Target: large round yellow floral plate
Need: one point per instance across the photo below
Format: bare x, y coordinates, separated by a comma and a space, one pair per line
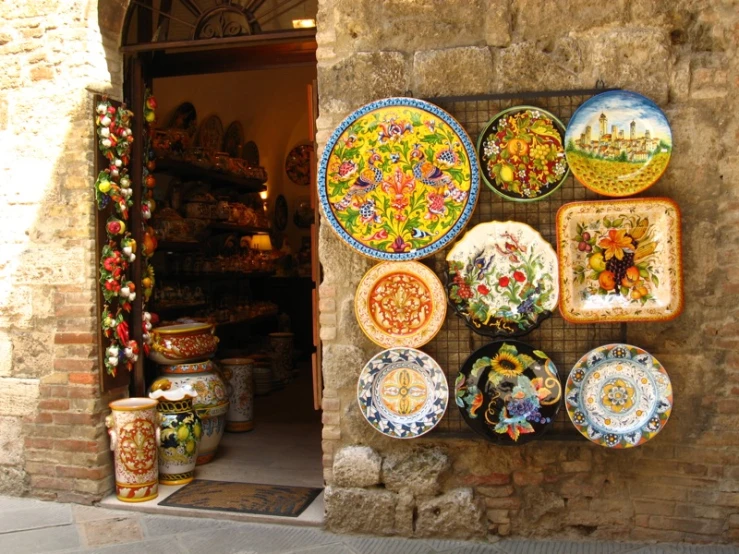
618, 396
620, 260
402, 393
618, 143
398, 179
400, 304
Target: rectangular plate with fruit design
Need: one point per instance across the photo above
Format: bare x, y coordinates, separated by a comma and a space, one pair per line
620, 260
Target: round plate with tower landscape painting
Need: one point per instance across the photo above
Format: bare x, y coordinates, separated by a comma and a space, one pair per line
502, 278
618, 396
398, 179
522, 153
618, 143
508, 392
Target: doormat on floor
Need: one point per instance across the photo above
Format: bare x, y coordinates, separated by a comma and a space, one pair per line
248, 498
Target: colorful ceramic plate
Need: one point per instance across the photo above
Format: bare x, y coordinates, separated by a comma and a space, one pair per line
184, 117
618, 396
522, 153
400, 304
620, 260
402, 393
398, 179
508, 392
501, 278
210, 136
618, 143
233, 140
297, 164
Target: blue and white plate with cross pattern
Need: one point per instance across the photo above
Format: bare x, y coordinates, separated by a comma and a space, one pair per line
402, 392
618, 396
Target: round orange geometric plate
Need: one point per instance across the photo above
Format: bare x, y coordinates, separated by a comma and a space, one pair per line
400, 304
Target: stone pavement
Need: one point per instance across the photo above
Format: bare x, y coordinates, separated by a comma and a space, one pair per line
31, 526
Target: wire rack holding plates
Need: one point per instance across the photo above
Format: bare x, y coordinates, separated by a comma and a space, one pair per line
564, 342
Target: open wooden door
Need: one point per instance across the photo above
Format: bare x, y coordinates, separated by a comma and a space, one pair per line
315, 264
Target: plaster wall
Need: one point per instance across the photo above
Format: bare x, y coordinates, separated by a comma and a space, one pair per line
684, 485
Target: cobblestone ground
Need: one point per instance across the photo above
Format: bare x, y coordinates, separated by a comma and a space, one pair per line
31, 526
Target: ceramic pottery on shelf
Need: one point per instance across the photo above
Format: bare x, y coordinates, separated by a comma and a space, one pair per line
618, 396
620, 260
134, 435
211, 403
618, 143
180, 434
297, 164
239, 373
183, 343
282, 358
398, 179
522, 153
400, 304
402, 393
508, 392
502, 278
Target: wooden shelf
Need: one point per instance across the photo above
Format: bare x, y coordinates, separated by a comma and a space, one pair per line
214, 276
238, 228
250, 320
189, 171
172, 307
175, 246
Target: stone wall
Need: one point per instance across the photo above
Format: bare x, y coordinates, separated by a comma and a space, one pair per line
52, 439
685, 484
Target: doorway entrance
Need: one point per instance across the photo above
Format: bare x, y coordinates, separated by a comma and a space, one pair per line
234, 84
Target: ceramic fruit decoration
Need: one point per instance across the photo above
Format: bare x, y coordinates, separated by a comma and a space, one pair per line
508, 392
618, 396
148, 205
134, 436
620, 260
522, 153
618, 143
402, 393
502, 278
180, 434
398, 179
400, 304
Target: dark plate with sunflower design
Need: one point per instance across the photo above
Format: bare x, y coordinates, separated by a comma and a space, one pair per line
508, 392
522, 153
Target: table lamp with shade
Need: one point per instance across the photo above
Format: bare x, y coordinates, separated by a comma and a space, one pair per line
261, 242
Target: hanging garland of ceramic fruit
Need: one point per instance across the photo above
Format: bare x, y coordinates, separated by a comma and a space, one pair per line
148, 205
113, 185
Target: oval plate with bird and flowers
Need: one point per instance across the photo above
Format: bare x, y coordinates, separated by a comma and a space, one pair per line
501, 278
618, 396
398, 179
402, 392
522, 153
620, 260
508, 392
400, 304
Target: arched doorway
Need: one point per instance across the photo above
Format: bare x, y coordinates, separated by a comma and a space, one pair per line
235, 77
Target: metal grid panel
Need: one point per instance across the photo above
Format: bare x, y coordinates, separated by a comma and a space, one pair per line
564, 342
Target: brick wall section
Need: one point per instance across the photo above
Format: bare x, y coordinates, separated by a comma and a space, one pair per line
685, 484
54, 58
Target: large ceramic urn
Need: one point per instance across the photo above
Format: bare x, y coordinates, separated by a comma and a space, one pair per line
180, 433
281, 345
183, 343
211, 403
239, 373
134, 435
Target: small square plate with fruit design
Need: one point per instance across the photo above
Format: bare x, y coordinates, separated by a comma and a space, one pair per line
620, 260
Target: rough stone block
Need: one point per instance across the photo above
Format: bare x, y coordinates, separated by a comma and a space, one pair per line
537, 20
456, 514
405, 514
13, 481
453, 71
357, 466
407, 25
11, 441
497, 29
370, 511
526, 66
361, 78
6, 354
417, 471
32, 354
18, 397
342, 365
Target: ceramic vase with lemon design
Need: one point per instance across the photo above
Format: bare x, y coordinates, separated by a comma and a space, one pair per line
180, 434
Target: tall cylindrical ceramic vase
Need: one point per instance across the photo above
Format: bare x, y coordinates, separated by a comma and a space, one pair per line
180, 433
282, 347
134, 435
211, 403
239, 372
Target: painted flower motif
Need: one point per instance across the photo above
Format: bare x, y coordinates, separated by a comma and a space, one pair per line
579, 418
618, 395
519, 276
346, 170
399, 245
482, 289
400, 184
615, 243
619, 352
504, 281
507, 364
654, 424
612, 440
578, 375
